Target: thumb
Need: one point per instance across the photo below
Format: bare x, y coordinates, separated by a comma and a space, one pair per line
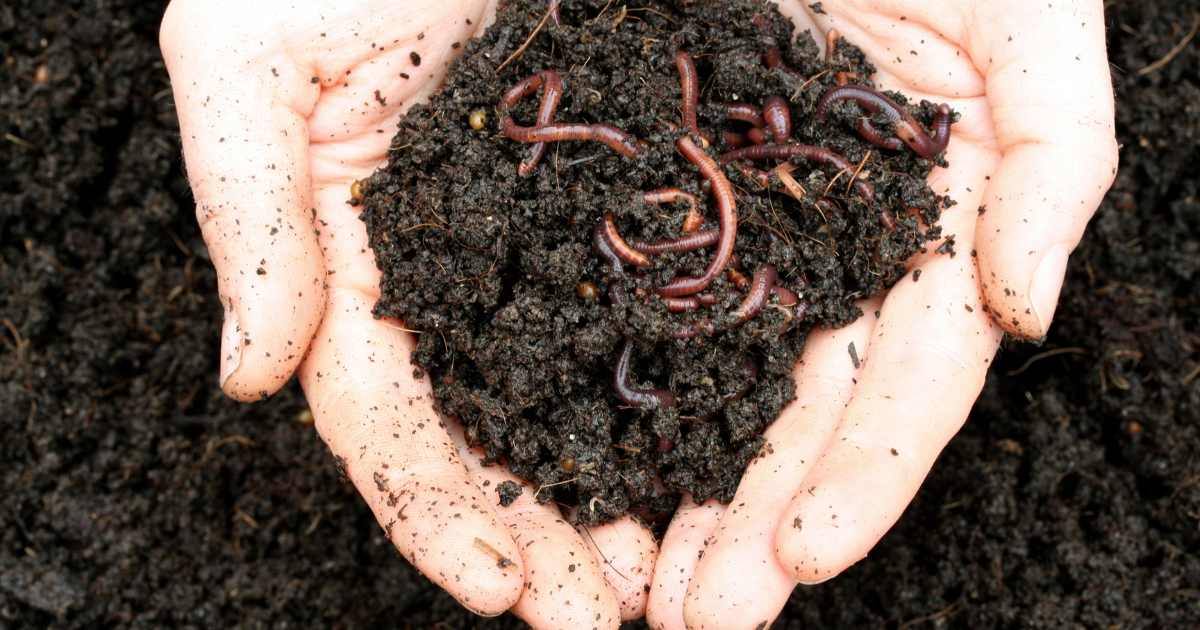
242, 116
1052, 105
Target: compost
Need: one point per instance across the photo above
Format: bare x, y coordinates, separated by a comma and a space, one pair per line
612, 283
133, 494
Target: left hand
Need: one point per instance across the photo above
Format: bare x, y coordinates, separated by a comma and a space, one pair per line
1036, 146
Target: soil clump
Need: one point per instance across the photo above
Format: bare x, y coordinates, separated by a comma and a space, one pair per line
498, 268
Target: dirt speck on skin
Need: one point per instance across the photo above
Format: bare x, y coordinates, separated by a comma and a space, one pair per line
498, 270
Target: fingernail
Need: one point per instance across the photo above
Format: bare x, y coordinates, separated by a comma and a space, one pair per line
481, 614
1047, 283
231, 344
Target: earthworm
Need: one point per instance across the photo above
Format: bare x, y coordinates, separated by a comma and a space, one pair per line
756, 297
830, 43
746, 112
762, 177
728, 397
867, 130
604, 248
751, 305
774, 59
727, 220
756, 136
680, 304
620, 141
555, 14
690, 81
778, 117
908, 129
735, 276
620, 248
668, 195
691, 242
812, 154
550, 98
786, 296
637, 397
735, 140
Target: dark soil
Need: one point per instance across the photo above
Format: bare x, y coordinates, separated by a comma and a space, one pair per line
133, 494
489, 264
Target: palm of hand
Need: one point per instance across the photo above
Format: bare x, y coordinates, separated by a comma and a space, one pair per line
265, 98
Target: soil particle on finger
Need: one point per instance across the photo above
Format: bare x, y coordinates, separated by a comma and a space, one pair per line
498, 271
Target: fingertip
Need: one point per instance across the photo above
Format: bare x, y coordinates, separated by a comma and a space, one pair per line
626, 551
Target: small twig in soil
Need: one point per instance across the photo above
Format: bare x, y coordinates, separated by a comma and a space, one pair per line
857, 171
937, 615
519, 51
1174, 51
501, 560
1050, 353
551, 485
16, 335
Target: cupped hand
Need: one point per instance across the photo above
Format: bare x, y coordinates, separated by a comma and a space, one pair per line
1030, 160
282, 106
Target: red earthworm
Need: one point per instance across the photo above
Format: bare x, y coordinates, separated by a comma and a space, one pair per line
709, 137
680, 304
751, 305
669, 195
691, 242
690, 81
812, 154
555, 14
907, 128
727, 220
786, 296
735, 140
747, 112
637, 397
665, 445
757, 136
735, 276
867, 130
778, 117
756, 297
604, 247
620, 141
774, 59
830, 43
728, 397
620, 248
550, 98
758, 175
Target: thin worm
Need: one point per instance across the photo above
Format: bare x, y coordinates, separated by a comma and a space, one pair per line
786, 296
778, 117
774, 59
707, 136
831, 43
637, 397
670, 195
735, 140
746, 112
555, 14
751, 305
756, 297
728, 397
604, 248
690, 81
550, 98
737, 278
907, 127
756, 136
812, 154
691, 242
727, 221
620, 248
760, 176
681, 304
620, 141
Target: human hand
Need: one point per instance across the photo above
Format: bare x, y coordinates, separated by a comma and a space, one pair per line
281, 109
1036, 147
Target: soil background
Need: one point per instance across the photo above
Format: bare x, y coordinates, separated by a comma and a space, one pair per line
134, 494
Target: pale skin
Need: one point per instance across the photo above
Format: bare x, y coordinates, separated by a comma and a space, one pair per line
271, 156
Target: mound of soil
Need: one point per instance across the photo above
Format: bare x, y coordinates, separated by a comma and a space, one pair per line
133, 494
499, 272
